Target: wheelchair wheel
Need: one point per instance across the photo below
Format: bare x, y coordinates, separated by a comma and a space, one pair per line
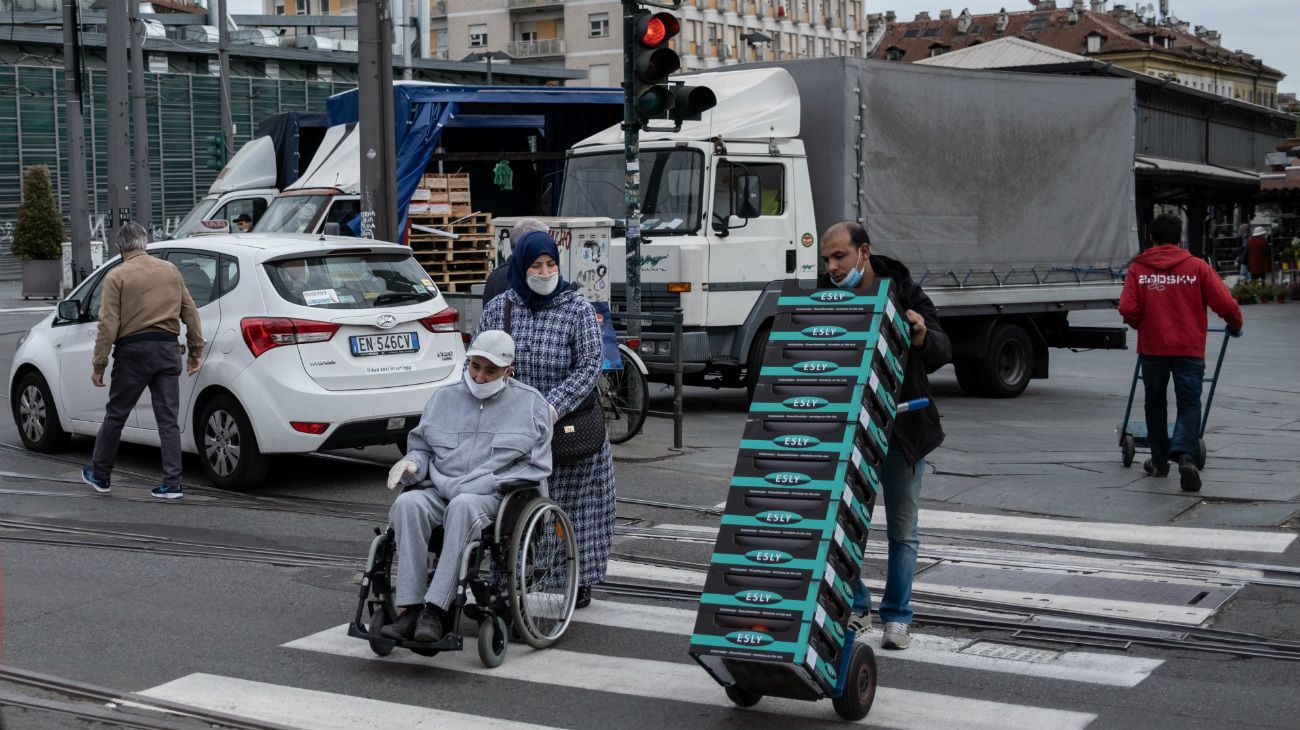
384, 614
493, 638
543, 573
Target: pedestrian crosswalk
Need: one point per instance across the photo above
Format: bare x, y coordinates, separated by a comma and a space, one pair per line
621, 671
625, 653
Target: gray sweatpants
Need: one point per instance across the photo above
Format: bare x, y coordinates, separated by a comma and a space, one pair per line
413, 516
155, 365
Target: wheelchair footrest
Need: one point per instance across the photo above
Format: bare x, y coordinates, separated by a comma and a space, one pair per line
449, 642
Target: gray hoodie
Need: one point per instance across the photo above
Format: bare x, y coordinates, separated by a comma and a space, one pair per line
464, 445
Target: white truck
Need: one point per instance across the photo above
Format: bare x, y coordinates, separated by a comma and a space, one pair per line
284, 145
1009, 196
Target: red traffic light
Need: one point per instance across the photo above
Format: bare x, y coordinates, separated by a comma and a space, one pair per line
654, 30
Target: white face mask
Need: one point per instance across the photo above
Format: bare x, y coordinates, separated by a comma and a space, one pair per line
483, 391
544, 285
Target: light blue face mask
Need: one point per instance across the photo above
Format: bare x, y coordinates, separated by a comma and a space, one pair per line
854, 277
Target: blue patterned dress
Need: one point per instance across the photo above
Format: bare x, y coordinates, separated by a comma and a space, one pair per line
558, 352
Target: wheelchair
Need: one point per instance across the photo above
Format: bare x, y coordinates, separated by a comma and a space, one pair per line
529, 595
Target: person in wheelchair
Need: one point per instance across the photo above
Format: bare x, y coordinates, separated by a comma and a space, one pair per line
473, 438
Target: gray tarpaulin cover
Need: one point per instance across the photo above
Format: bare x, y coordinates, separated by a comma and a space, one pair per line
973, 170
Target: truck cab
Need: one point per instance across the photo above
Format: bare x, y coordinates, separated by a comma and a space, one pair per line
726, 216
245, 186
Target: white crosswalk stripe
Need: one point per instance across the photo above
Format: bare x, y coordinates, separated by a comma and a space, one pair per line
684, 682
1094, 668
312, 709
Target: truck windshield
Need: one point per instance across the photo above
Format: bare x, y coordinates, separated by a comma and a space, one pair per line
671, 185
291, 214
200, 211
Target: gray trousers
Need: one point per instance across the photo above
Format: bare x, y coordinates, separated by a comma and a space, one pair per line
155, 365
413, 517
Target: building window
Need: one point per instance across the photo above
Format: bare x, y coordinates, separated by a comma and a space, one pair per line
302, 8
478, 35
937, 51
599, 25
598, 74
894, 54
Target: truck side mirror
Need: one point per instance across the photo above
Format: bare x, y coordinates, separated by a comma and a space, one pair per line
331, 229
69, 310
748, 196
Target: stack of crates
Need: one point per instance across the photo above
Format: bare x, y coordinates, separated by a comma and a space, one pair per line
776, 603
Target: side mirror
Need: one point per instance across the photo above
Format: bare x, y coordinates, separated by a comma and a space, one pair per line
69, 310
331, 229
748, 196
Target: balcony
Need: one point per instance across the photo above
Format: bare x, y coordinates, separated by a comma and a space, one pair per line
533, 4
536, 49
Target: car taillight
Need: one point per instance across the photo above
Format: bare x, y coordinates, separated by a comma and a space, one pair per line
263, 333
444, 321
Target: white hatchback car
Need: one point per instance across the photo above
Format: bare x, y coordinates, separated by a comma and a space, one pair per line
313, 343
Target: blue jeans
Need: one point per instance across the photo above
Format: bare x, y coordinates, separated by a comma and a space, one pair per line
902, 486
1187, 373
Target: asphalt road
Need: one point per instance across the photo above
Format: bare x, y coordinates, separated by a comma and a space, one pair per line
1027, 515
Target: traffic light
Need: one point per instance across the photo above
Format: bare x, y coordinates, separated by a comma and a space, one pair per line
689, 102
652, 63
216, 151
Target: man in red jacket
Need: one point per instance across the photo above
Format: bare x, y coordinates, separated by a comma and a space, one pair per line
1165, 295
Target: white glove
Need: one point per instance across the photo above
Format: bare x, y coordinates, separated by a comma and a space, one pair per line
555, 415
399, 470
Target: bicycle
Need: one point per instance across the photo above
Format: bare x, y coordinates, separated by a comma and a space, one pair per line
624, 396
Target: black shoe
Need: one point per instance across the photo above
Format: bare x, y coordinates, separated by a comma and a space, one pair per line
1155, 471
1189, 478
584, 597
404, 626
429, 627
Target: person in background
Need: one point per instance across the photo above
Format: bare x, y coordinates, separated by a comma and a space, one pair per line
1259, 254
1166, 291
243, 223
846, 255
559, 354
145, 301
499, 280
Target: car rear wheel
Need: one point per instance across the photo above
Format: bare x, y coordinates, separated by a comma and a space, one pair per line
227, 447
36, 416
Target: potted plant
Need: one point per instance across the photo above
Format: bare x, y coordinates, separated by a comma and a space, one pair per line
1245, 292
38, 236
1280, 294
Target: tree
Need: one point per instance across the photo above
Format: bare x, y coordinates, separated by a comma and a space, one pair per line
38, 234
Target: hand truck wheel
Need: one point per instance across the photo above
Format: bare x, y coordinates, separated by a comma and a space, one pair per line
859, 685
1128, 447
1200, 455
743, 697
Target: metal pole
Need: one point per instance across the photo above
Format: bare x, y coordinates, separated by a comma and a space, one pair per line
223, 61
378, 150
402, 32
140, 124
78, 211
119, 152
631, 177
423, 16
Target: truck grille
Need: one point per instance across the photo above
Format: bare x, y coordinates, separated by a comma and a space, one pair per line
654, 298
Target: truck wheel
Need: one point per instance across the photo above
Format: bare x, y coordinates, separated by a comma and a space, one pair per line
968, 376
1005, 370
755, 362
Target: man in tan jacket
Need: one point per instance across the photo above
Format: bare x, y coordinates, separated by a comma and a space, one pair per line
144, 303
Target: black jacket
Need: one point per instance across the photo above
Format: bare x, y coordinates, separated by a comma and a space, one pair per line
917, 433
497, 282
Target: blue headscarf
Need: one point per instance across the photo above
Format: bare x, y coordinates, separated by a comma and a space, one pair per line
528, 249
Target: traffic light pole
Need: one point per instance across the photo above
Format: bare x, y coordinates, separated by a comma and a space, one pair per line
140, 124
631, 174
378, 148
119, 152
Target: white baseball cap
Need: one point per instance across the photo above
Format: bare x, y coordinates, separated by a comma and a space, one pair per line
495, 345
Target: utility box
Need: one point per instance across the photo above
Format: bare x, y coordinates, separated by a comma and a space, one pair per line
584, 250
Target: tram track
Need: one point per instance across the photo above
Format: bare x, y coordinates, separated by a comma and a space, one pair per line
110, 705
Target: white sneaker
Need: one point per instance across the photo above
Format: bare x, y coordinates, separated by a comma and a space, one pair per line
896, 636
860, 624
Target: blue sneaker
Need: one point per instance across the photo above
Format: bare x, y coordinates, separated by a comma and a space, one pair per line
88, 476
167, 491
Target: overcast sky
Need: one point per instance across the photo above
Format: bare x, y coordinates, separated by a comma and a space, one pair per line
1265, 28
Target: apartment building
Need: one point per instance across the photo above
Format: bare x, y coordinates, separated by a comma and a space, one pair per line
588, 36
